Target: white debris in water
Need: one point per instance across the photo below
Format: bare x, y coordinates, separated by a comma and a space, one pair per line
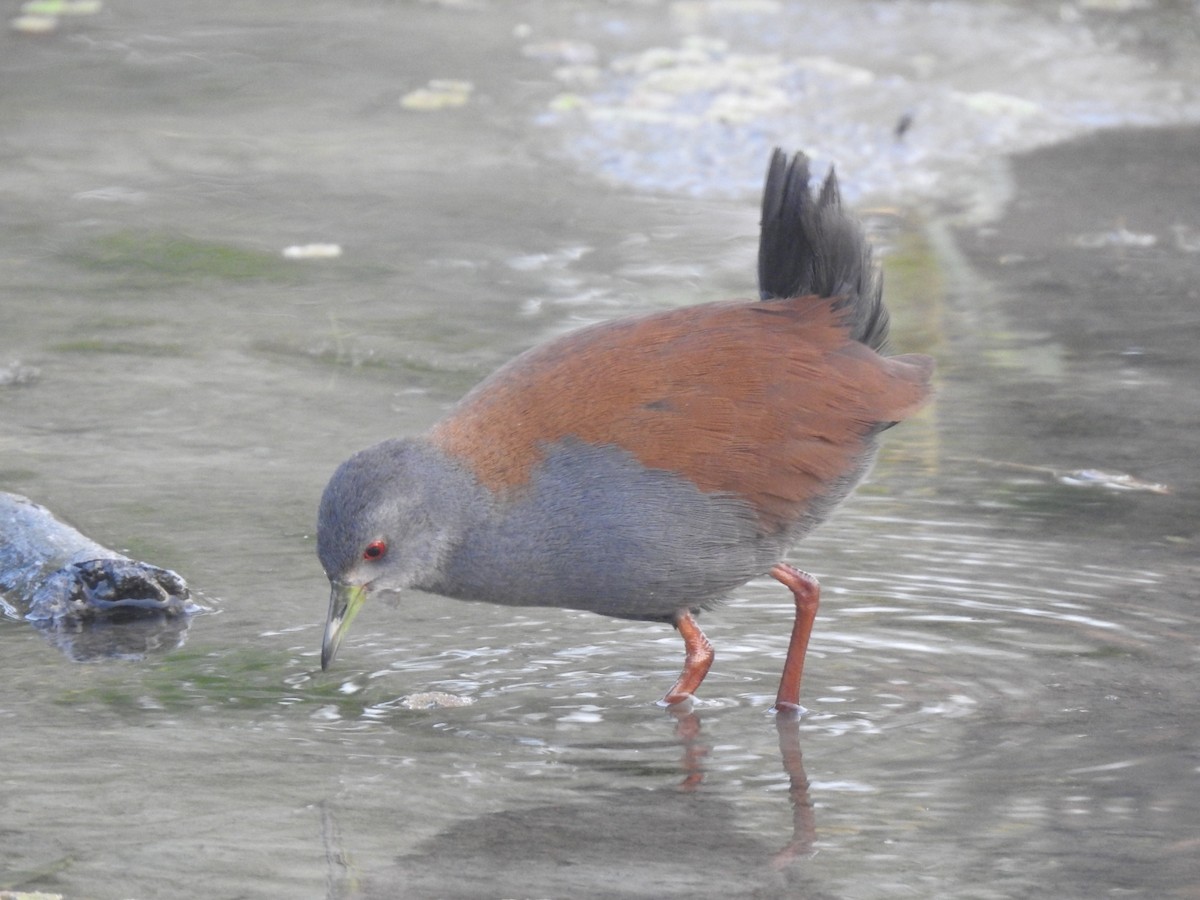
1115, 481
15, 373
435, 700
312, 251
113, 194
33, 24
1118, 237
439, 93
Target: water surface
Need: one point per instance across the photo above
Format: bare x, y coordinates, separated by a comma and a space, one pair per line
1001, 681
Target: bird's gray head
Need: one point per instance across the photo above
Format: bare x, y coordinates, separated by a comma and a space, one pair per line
388, 520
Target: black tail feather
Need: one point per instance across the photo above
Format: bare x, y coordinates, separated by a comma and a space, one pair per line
811, 246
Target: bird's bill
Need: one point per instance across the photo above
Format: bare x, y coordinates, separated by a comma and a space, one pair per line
345, 600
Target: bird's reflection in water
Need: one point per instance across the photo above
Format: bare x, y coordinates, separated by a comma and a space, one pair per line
689, 732
673, 841
695, 749
804, 820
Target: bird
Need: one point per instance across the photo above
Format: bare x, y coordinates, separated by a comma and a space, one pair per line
644, 467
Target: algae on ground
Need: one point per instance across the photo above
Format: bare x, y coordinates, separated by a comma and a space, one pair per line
196, 679
179, 256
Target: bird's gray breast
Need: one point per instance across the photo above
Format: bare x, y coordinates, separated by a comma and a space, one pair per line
594, 529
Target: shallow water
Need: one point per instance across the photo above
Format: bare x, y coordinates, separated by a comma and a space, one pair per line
1001, 683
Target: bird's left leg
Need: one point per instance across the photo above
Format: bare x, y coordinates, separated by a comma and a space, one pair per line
807, 592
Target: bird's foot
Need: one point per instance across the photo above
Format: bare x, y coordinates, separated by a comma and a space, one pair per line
786, 710
678, 702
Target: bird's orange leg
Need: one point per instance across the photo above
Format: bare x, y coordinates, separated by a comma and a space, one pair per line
697, 661
807, 592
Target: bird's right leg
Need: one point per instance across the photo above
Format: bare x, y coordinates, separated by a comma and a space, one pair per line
697, 661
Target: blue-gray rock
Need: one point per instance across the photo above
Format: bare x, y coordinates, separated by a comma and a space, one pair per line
50, 572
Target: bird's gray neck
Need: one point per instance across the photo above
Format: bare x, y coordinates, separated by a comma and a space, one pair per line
452, 506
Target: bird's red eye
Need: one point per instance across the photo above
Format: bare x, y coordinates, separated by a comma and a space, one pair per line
375, 550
